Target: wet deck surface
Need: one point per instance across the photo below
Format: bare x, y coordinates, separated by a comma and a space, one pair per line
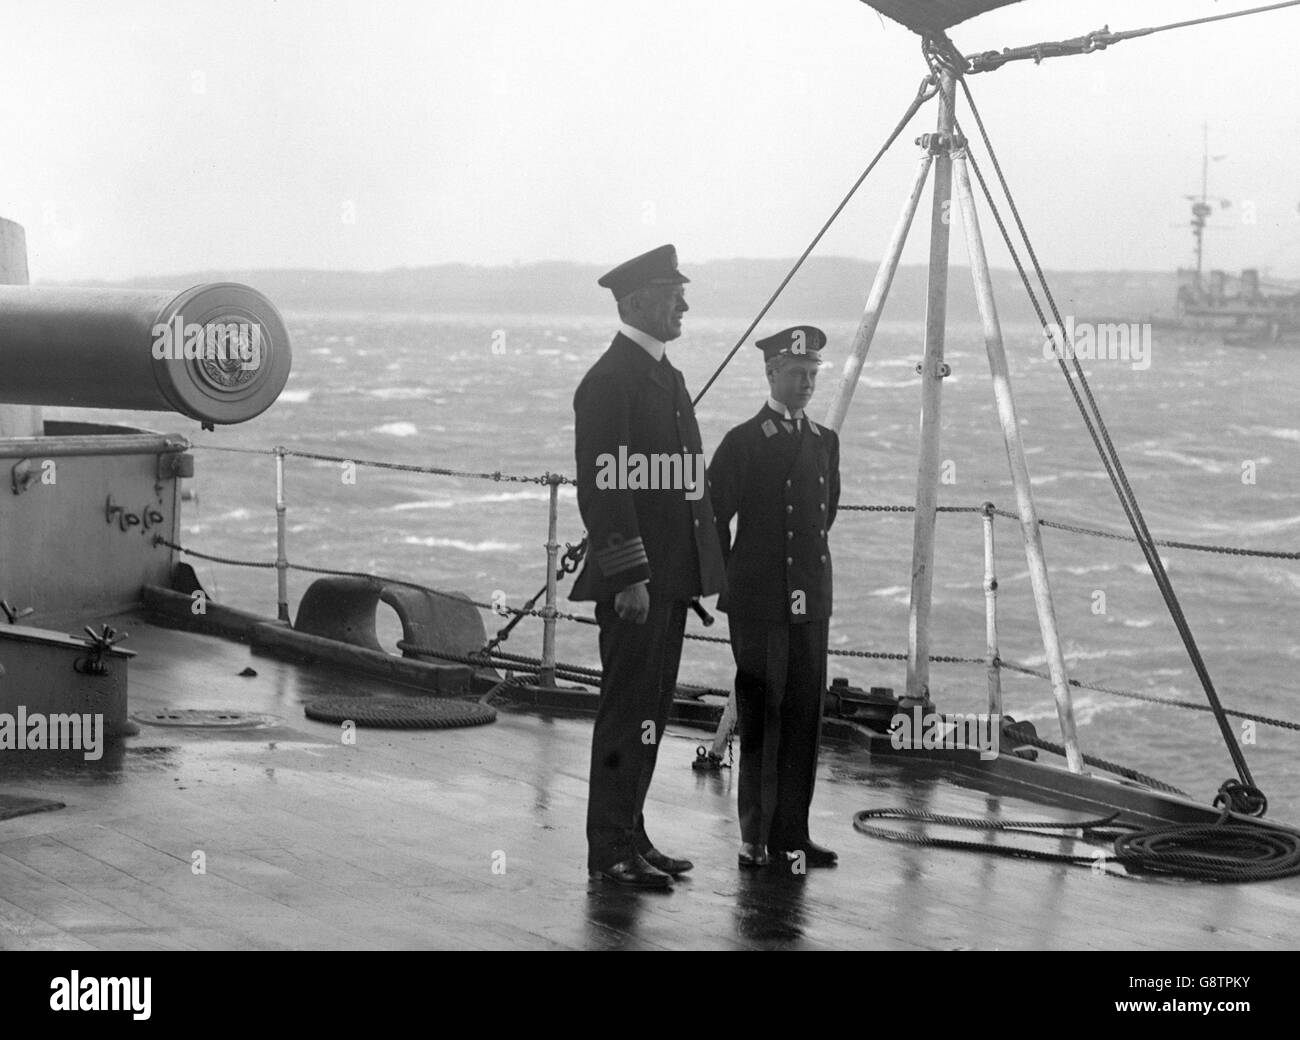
392, 843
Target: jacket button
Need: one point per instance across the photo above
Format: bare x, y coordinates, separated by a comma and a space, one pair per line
823, 559
788, 484
822, 507
789, 560
790, 509
789, 534
821, 480
697, 523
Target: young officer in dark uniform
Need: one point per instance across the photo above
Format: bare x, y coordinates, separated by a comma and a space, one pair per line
779, 474
651, 549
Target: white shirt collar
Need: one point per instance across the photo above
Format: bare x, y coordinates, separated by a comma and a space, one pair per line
782, 410
647, 342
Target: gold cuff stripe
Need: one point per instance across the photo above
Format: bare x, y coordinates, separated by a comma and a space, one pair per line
620, 558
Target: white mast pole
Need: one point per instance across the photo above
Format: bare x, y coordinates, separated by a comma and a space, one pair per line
1019, 467
932, 374
839, 404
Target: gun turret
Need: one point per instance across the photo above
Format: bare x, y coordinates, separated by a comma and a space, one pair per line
217, 353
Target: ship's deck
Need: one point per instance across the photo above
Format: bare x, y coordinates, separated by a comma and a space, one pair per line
391, 843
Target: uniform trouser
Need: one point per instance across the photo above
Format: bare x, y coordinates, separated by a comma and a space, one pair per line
780, 691
640, 674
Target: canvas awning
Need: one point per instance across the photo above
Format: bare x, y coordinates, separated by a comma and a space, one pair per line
929, 17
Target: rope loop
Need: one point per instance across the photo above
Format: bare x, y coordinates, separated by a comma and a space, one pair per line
1238, 797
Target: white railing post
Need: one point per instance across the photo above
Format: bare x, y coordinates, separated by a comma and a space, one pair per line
552, 558
991, 616
281, 537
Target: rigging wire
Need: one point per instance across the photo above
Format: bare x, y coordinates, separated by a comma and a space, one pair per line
1253, 801
927, 90
988, 61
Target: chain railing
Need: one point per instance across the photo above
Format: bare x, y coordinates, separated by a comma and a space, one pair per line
557, 568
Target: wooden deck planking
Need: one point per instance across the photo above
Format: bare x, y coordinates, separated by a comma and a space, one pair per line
171, 902
20, 929
389, 844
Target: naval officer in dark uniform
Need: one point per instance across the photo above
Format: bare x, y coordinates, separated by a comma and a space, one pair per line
779, 475
651, 548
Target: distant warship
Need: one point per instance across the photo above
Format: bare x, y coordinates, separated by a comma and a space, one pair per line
1244, 307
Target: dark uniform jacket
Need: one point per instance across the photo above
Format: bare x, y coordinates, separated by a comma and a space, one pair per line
631, 402
786, 488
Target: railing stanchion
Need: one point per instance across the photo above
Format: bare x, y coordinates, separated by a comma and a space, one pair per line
281, 549
991, 616
547, 676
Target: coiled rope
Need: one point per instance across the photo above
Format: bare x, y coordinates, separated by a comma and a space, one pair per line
1218, 852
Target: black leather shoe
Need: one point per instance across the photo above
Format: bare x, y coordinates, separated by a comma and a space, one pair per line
634, 872
813, 855
666, 864
752, 857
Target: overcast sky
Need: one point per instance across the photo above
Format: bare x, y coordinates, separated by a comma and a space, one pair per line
143, 138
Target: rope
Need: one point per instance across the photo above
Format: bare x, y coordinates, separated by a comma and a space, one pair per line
568, 564
511, 661
1218, 852
438, 471
923, 94
1016, 731
519, 679
1011, 826
1227, 550
1101, 436
160, 540
1153, 698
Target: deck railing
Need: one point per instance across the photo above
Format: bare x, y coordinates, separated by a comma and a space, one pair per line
547, 666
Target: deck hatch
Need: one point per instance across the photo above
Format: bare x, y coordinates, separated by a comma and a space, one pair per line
208, 718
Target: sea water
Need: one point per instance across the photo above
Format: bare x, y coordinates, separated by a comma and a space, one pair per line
1209, 435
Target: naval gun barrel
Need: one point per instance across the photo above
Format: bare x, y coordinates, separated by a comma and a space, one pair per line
218, 353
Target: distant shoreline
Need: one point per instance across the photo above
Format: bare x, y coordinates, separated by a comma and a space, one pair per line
827, 289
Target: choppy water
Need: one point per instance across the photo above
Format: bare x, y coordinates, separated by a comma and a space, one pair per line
431, 390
